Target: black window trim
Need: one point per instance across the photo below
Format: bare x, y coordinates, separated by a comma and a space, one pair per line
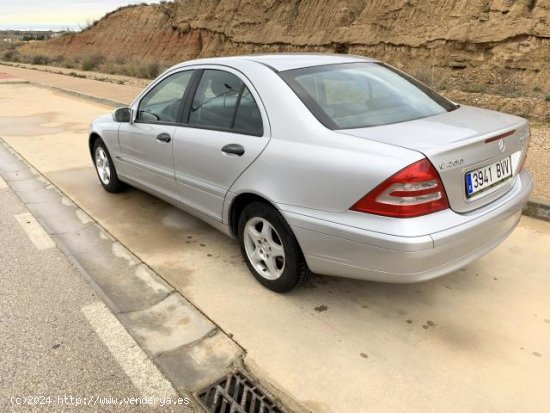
236, 110
183, 119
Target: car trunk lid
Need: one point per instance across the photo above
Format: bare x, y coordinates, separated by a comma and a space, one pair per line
458, 142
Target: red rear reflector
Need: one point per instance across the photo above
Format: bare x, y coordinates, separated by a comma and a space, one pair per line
414, 191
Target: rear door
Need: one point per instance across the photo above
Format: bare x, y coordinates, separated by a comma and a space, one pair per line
146, 145
225, 130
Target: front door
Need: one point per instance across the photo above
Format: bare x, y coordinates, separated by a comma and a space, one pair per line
146, 145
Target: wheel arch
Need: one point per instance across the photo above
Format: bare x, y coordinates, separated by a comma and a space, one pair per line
238, 204
94, 136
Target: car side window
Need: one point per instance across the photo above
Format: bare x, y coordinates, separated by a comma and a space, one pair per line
223, 102
248, 118
163, 102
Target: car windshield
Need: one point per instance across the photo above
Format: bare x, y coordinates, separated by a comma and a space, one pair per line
358, 95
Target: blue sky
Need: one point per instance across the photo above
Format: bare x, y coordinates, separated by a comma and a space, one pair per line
55, 14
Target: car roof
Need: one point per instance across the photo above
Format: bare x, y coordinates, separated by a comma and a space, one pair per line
285, 61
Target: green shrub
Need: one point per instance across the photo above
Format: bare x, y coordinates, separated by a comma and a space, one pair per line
92, 62
11, 55
149, 70
74, 74
40, 59
120, 61
57, 60
68, 64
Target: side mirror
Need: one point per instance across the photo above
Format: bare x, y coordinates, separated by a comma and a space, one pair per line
123, 115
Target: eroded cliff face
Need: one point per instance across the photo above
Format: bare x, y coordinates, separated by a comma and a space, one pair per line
490, 40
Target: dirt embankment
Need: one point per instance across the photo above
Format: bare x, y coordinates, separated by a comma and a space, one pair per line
496, 44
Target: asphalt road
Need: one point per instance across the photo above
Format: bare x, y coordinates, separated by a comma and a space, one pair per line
62, 350
475, 340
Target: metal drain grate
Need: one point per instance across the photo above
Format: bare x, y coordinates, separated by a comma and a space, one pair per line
235, 393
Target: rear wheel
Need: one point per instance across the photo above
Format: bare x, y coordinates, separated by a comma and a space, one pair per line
270, 249
105, 168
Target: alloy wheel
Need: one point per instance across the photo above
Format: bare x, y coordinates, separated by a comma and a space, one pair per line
102, 165
264, 248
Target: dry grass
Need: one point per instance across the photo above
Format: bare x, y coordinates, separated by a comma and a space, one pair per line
95, 62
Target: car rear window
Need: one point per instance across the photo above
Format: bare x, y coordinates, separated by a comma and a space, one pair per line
358, 95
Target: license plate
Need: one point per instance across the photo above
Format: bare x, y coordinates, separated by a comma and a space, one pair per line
481, 179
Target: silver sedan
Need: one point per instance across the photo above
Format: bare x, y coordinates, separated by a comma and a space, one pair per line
329, 164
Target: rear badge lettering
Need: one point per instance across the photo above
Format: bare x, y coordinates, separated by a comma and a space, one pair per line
451, 164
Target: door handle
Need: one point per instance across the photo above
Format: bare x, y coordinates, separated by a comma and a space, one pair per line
164, 138
233, 149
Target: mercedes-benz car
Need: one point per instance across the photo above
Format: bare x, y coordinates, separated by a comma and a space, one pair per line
329, 164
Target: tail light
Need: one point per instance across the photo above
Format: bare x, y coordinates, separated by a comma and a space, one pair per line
414, 191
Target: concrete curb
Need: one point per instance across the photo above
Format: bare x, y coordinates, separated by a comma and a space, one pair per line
102, 101
14, 82
537, 209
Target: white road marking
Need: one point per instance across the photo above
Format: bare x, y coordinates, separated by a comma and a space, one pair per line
3, 184
35, 232
131, 358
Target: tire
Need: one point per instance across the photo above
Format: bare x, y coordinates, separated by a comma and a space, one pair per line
270, 249
105, 168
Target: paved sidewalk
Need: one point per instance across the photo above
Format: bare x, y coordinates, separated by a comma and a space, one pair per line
102, 90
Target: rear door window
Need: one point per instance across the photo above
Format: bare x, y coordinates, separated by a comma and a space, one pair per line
248, 119
223, 102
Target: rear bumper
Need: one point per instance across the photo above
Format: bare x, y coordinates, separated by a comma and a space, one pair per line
333, 248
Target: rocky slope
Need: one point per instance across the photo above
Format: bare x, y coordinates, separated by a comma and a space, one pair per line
496, 44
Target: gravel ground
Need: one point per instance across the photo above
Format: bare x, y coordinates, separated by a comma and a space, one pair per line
538, 161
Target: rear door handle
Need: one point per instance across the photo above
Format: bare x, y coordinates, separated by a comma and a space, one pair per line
164, 138
233, 149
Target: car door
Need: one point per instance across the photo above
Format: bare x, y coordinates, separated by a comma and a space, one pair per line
146, 144
224, 132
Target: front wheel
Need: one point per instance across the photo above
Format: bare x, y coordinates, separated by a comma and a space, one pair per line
270, 249
105, 168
